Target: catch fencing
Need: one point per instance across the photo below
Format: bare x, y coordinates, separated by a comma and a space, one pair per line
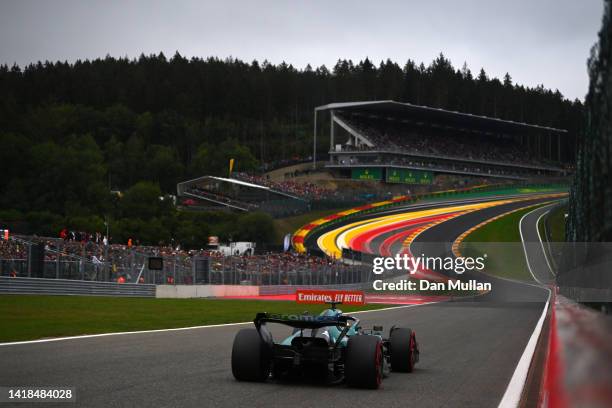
119, 264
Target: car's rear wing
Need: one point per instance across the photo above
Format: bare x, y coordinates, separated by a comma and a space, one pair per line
303, 321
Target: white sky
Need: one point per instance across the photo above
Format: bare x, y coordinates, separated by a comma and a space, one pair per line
536, 41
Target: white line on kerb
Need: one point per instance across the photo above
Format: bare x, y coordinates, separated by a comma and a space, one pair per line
90, 336
512, 396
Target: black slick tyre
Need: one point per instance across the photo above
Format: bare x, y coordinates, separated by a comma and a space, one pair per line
251, 356
364, 360
404, 350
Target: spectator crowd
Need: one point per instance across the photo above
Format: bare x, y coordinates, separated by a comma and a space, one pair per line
124, 261
391, 136
302, 189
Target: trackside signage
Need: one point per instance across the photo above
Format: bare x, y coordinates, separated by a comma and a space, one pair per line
346, 297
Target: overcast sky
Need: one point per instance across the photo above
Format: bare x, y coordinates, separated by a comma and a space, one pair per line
536, 41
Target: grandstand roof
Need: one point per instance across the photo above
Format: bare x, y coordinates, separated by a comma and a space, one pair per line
181, 185
408, 110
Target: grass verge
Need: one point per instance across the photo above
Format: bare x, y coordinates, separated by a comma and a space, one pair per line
556, 224
29, 317
500, 240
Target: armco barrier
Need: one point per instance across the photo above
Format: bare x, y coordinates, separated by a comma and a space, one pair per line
38, 286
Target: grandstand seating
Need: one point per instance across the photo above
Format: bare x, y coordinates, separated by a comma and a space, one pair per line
304, 190
377, 140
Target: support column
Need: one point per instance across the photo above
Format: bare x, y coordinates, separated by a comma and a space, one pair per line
314, 144
331, 131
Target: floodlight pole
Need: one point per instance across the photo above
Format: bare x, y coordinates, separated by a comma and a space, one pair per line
331, 131
314, 144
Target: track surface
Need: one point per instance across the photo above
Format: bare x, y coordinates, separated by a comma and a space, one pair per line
468, 353
533, 245
191, 368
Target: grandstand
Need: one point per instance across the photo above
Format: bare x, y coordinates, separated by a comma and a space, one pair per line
210, 192
401, 149
403, 143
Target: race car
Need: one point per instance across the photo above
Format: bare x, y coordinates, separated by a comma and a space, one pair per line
331, 345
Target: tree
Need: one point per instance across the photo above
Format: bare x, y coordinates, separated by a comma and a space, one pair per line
73, 131
590, 204
143, 201
507, 80
231, 149
257, 227
163, 167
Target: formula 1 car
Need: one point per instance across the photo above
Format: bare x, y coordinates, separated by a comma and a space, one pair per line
331, 345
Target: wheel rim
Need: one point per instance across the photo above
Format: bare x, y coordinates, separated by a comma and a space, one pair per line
378, 365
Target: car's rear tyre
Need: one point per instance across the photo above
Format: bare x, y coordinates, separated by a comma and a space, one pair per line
251, 356
403, 350
364, 362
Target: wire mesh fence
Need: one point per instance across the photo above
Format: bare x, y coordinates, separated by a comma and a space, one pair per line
53, 259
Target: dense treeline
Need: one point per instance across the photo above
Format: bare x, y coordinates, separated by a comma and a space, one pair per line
70, 132
590, 209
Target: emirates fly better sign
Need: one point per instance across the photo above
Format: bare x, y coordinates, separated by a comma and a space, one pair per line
346, 297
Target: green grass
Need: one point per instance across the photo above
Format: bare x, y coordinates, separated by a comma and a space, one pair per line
556, 224
504, 229
25, 317
500, 240
496, 192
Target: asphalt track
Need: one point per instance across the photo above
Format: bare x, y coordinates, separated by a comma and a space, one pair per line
468, 354
533, 245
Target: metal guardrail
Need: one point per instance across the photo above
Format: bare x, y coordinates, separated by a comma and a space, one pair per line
40, 286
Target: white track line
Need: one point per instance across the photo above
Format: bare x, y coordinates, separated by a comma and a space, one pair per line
525, 246
514, 391
90, 336
512, 396
542, 242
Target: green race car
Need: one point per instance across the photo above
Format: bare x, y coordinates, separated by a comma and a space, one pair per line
331, 345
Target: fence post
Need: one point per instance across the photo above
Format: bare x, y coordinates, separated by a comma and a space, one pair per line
132, 264
259, 272
107, 264
193, 271
223, 274
28, 260
57, 260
